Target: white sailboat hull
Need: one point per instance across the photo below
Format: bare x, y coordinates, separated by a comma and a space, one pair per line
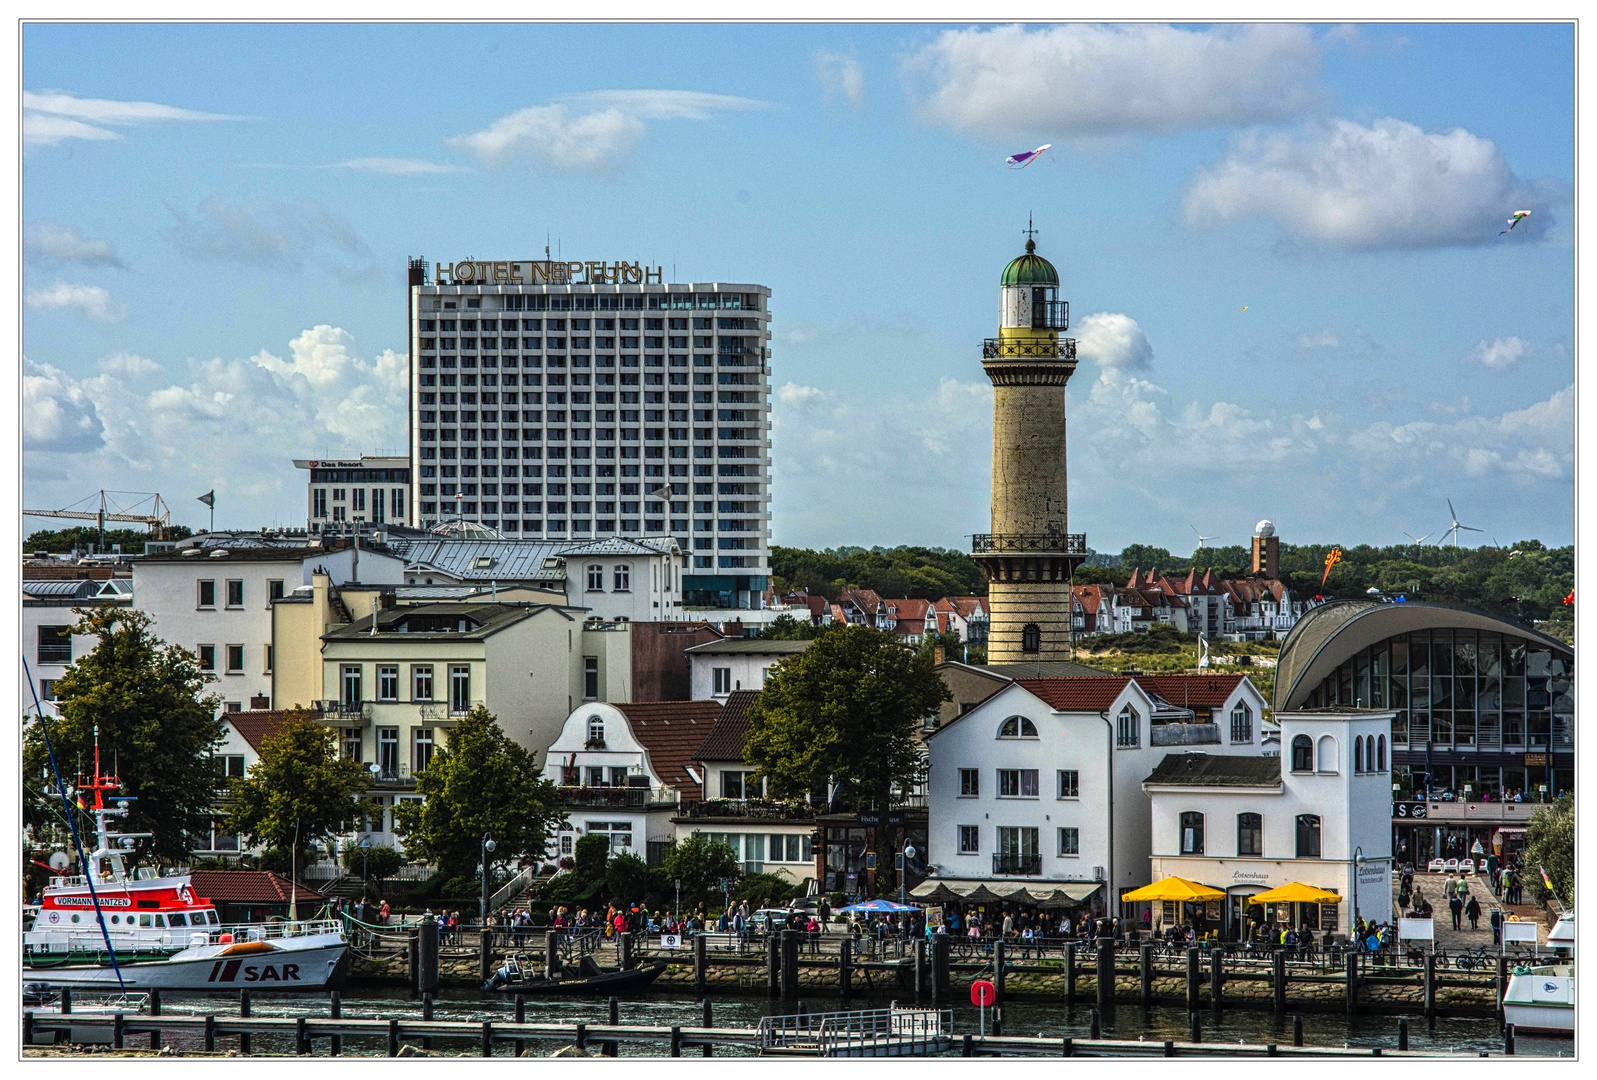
310, 962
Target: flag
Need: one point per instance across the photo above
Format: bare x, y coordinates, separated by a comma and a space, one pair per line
1547, 881
209, 498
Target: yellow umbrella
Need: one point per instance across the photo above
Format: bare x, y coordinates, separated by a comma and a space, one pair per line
1296, 893
1174, 888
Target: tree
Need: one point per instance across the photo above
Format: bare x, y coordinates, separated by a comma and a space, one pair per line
1550, 846
700, 864
301, 792
787, 628
481, 784
62, 541
626, 878
847, 710
374, 861
157, 732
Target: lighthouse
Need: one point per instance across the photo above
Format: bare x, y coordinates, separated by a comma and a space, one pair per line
1030, 554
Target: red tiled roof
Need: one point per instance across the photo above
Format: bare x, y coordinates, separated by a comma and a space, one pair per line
1078, 693
257, 725
1201, 691
908, 609
672, 732
1089, 598
249, 887
731, 729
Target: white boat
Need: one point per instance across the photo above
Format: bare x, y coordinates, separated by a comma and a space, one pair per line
1541, 998
163, 936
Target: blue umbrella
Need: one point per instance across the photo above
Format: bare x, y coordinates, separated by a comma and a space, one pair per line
879, 905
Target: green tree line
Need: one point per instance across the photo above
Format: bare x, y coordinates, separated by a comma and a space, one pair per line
63, 541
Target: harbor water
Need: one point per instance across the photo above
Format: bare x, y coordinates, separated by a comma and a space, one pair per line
1020, 1017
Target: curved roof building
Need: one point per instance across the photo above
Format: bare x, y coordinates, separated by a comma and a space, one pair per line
1485, 709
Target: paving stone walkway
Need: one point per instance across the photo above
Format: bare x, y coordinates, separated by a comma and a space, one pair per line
1481, 888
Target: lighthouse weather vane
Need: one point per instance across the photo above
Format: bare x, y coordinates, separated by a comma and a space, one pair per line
1029, 230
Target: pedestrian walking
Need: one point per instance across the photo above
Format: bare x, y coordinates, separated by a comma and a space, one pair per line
1456, 906
1473, 910
1497, 926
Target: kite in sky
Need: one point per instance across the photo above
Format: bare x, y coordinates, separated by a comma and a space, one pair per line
1519, 215
1021, 160
1330, 561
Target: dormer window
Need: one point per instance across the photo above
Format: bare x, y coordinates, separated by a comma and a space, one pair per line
1017, 727
595, 731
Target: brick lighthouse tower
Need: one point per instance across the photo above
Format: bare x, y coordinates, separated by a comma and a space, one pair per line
1030, 554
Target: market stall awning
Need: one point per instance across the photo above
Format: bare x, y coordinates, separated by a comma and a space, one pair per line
885, 906
965, 890
1296, 893
1174, 888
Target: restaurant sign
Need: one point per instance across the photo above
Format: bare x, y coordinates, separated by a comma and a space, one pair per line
1413, 810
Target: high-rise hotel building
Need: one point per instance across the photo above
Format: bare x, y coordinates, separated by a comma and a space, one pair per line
583, 400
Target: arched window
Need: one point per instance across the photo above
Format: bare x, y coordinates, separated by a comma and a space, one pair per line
1308, 836
1031, 638
1380, 754
1302, 754
1325, 758
595, 729
1128, 728
1192, 833
1358, 754
1242, 723
1017, 727
1250, 834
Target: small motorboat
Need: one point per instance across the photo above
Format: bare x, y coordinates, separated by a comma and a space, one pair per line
587, 978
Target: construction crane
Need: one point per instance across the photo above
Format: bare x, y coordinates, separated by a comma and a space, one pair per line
111, 510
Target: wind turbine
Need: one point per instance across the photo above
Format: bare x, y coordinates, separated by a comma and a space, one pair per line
1419, 541
1453, 530
1200, 536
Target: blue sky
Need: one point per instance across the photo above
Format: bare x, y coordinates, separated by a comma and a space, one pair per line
216, 222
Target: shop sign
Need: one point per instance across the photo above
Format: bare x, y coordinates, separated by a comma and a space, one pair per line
1536, 760
1408, 810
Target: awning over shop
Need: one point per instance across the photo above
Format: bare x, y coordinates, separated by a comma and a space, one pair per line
1042, 893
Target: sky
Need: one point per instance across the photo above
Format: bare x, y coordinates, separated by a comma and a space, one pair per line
1280, 244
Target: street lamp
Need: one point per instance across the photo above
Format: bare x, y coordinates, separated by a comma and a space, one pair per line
487, 848
365, 845
1358, 861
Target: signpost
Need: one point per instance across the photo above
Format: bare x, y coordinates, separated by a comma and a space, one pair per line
670, 941
982, 994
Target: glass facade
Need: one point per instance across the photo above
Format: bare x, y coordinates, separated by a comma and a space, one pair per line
1479, 714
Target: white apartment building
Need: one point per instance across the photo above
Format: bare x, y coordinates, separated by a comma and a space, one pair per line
582, 400
719, 668
47, 639
374, 490
1041, 783
1317, 815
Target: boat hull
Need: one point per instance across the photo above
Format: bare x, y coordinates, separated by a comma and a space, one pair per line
1541, 1000
310, 963
603, 985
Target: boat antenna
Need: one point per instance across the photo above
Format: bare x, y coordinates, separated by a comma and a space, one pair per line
77, 843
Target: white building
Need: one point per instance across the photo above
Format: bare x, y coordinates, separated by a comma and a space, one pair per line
1317, 815
622, 769
47, 621
719, 668
373, 490
1040, 783
570, 400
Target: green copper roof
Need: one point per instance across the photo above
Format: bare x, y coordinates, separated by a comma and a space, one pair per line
1030, 269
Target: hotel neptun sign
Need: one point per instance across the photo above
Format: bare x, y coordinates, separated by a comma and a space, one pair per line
546, 272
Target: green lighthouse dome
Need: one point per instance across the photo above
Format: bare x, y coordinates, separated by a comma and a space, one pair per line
1031, 269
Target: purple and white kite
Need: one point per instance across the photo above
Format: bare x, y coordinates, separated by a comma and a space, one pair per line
1021, 160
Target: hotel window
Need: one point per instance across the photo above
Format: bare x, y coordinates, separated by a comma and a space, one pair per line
969, 783
1069, 784
1241, 723
235, 659
235, 594
421, 682
388, 753
388, 683
207, 597
1308, 833
1250, 834
319, 502
422, 749
349, 742
1017, 783
1070, 841
358, 502
970, 840
459, 689
351, 685
1191, 833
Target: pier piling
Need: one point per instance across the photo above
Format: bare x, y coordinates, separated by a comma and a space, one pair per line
1096, 1025
335, 1009
302, 1042
582, 1036
1194, 1027
551, 950
845, 971
155, 1010
1508, 1039
1067, 1050
1278, 981
210, 1033
676, 1041
427, 1014
1106, 972
998, 971
1297, 1031
521, 1018
1070, 973
487, 1038
1144, 973
243, 1013
1430, 986
393, 1038
1402, 1033
709, 1022
773, 970
118, 1030
701, 965
1352, 982
66, 1001
940, 977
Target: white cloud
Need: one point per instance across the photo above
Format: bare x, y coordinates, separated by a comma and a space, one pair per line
126, 363
263, 233
1500, 354
1389, 185
394, 166
232, 424
595, 133
1105, 80
92, 300
49, 242
841, 76
1113, 341
51, 116
56, 412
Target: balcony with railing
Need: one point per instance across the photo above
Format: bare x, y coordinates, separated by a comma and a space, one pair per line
750, 809
1029, 543
636, 798
1000, 349
1015, 862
